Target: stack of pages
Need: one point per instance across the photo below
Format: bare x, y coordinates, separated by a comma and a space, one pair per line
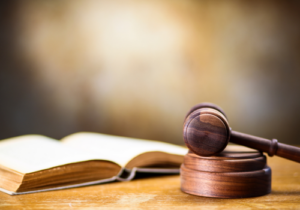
35, 163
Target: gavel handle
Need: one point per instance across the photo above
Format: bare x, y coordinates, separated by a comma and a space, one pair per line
272, 147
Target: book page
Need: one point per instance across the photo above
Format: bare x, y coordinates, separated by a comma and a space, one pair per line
118, 149
30, 153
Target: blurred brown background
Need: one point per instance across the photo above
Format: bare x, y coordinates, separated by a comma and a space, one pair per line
135, 67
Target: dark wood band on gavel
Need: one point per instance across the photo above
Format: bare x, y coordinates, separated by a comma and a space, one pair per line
206, 132
272, 147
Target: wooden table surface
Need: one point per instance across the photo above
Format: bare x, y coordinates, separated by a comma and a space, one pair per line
162, 193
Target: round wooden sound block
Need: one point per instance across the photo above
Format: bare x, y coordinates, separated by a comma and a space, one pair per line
234, 173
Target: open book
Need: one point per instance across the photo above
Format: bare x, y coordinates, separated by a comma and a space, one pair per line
35, 163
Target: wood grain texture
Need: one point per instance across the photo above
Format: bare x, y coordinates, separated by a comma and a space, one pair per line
162, 193
235, 174
205, 105
226, 185
206, 132
272, 147
238, 163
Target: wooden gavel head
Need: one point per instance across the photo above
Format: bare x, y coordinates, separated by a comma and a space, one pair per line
206, 130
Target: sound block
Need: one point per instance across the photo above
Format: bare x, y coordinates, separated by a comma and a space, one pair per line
237, 172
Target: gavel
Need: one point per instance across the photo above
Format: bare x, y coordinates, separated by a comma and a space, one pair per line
206, 132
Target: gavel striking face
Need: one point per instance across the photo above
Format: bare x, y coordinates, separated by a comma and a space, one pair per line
206, 132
